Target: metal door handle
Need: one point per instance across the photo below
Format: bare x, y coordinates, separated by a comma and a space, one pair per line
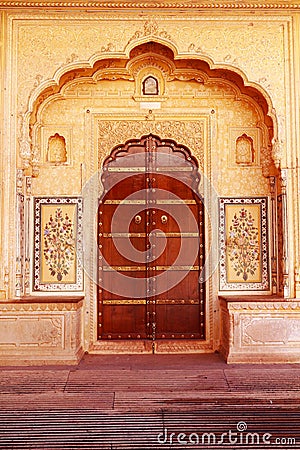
137, 219
164, 219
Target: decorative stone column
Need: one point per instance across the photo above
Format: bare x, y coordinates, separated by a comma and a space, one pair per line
19, 287
27, 248
285, 250
274, 238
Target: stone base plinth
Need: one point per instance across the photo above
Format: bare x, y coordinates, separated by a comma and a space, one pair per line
260, 330
41, 330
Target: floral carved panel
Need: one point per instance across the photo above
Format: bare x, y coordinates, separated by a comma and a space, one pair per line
57, 244
244, 255
266, 330
186, 132
29, 330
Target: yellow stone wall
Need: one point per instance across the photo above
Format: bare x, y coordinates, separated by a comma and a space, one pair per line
39, 47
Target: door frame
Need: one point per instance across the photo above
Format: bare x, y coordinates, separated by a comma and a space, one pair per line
184, 176
206, 118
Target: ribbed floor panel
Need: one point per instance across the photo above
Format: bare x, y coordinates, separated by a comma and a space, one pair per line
150, 403
198, 430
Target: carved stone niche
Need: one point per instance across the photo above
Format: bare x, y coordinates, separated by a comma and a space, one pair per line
244, 151
150, 84
245, 144
56, 151
55, 142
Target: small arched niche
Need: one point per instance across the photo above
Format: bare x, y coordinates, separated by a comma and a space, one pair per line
56, 151
150, 86
244, 151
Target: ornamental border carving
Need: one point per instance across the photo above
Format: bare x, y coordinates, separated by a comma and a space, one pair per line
265, 306
112, 132
38, 307
250, 5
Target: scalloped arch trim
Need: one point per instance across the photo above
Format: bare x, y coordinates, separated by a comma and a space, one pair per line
80, 69
155, 48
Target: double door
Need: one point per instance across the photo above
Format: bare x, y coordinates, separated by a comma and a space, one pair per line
151, 244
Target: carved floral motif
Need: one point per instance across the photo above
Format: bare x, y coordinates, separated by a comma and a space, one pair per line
59, 245
51, 334
189, 133
243, 245
57, 152
243, 237
266, 330
244, 151
151, 28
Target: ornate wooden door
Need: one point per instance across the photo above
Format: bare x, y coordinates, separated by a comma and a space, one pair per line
151, 243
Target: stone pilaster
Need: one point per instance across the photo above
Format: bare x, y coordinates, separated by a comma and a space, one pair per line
297, 130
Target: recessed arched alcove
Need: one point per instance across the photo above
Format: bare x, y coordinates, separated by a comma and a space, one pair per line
111, 68
213, 111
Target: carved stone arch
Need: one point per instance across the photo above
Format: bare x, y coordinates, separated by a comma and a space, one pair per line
87, 68
188, 66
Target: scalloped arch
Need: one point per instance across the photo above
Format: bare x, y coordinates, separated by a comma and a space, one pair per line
80, 68
160, 46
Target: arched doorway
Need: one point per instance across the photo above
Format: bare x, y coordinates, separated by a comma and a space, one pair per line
151, 244
111, 113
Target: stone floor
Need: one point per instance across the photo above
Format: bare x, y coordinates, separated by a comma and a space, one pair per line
150, 402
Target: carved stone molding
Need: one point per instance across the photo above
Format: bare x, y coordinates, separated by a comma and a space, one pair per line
20, 307
209, 4
189, 133
19, 181
146, 347
151, 28
277, 151
29, 152
24, 142
264, 306
182, 347
43, 331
